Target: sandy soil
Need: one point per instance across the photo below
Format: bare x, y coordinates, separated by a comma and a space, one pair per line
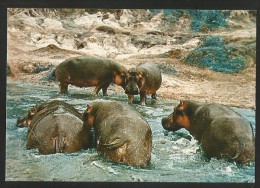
37, 41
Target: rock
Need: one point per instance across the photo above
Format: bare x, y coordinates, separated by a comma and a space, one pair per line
52, 24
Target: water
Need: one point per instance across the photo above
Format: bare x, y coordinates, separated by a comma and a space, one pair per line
175, 156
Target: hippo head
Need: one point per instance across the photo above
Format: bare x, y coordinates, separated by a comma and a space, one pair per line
88, 116
178, 119
120, 77
134, 81
25, 122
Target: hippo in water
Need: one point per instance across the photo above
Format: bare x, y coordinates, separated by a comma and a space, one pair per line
222, 132
87, 71
25, 122
121, 133
56, 127
144, 79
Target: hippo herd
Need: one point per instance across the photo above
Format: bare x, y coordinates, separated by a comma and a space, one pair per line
117, 130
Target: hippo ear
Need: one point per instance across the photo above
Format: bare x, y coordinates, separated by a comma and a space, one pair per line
139, 75
89, 108
181, 102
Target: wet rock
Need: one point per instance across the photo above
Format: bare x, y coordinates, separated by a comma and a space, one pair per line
34, 68
40, 68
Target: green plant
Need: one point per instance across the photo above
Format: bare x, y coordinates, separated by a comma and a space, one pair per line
200, 19
214, 55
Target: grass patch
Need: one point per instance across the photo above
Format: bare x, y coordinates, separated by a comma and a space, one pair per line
215, 55
201, 20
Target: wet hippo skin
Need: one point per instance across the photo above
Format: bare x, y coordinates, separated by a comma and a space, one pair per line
56, 127
87, 71
222, 132
144, 79
121, 133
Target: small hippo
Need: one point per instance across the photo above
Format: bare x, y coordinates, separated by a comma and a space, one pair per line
222, 132
145, 79
87, 71
57, 127
121, 133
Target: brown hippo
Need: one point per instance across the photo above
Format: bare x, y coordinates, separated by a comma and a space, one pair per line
122, 134
57, 127
87, 71
25, 122
222, 132
144, 79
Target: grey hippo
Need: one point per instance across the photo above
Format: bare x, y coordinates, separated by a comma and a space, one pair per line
122, 135
222, 132
55, 127
88, 71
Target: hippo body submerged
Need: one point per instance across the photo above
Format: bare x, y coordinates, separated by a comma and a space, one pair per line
222, 132
144, 79
122, 134
57, 127
88, 71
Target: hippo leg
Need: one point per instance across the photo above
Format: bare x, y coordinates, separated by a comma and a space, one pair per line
97, 89
130, 99
142, 99
103, 86
63, 87
104, 89
154, 96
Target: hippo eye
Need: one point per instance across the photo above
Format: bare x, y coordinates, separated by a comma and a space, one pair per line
178, 112
85, 115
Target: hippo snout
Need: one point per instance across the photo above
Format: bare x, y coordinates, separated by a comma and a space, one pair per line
169, 125
21, 122
165, 123
132, 90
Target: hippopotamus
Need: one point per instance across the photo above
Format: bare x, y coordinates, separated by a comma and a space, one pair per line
57, 127
122, 135
144, 79
25, 122
88, 71
222, 132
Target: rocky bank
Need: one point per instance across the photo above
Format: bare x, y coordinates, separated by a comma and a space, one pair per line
40, 39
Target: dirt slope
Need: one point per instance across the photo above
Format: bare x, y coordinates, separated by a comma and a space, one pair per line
40, 39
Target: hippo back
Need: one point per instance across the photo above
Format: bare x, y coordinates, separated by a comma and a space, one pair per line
58, 128
223, 133
124, 138
78, 70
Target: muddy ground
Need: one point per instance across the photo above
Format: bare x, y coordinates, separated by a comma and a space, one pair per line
38, 40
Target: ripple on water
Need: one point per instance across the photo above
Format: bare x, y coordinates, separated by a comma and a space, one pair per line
176, 156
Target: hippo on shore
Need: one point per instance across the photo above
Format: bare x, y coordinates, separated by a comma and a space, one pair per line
144, 79
88, 71
121, 133
56, 127
222, 132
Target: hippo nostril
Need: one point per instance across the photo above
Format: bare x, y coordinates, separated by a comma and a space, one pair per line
165, 123
132, 91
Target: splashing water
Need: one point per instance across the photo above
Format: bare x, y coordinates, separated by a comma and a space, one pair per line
176, 156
